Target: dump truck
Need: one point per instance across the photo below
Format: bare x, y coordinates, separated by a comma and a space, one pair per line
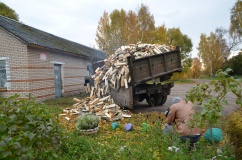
149, 79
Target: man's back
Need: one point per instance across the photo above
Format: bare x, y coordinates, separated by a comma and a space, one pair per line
179, 114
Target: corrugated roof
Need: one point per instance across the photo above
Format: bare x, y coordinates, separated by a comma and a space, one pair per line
33, 36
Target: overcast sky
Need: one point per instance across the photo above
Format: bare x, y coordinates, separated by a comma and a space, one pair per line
77, 20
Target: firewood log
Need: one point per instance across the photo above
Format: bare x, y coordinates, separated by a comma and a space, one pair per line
104, 98
76, 99
109, 106
94, 101
67, 118
88, 88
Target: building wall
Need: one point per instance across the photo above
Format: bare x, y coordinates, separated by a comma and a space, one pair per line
32, 69
16, 53
41, 72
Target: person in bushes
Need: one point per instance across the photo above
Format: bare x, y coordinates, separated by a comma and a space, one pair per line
177, 118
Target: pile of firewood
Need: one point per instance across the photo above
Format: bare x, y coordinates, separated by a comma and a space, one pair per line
113, 74
103, 107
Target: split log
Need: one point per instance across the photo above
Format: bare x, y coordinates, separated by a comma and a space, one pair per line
104, 98
94, 101
67, 118
88, 88
109, 106
76, 99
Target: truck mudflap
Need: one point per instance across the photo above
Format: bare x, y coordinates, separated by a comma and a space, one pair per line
123, 97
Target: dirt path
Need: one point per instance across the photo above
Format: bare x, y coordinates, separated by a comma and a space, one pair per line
180, 90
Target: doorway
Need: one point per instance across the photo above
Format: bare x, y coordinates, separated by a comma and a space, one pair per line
58, 80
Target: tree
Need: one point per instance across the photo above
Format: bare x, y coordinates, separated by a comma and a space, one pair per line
226, 41
146, 24
132, 28
103, 33
120, 28
235, 64
210, 52
196, 68
175, 37
236, 19
8, 12
159, 35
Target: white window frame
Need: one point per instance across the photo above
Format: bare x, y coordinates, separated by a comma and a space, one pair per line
7, 84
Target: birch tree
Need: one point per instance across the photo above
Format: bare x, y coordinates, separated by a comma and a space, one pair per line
210, 53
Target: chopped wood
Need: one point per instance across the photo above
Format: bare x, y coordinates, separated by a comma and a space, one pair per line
88, 87
108, 115
109, 106
104, 98
92, 91
86, 90
100, 103
66, 111
94, 101
126, 83
67, 118
76, 99
126, 115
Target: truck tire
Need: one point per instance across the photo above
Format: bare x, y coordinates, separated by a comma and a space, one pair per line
142, 97
156, 99
164, 98
153, 100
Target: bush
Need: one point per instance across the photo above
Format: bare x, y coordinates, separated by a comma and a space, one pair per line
27, 131
87, 121
233, 128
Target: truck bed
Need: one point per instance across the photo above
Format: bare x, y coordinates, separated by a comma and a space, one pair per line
160, 65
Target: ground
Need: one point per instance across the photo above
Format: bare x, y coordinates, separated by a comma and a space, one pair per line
181, 90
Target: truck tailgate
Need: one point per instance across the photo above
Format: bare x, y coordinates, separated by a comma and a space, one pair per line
147, 68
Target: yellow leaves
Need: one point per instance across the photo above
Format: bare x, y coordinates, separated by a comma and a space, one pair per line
156, 155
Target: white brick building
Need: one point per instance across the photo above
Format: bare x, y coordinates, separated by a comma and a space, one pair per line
36, 62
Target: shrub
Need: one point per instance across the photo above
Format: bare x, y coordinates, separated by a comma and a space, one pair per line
27, 131
87, 121
233, 128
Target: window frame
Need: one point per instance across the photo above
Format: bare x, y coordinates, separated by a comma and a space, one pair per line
7, 71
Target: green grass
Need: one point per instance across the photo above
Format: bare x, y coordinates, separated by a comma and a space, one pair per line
55, 106
184, 81
122, 145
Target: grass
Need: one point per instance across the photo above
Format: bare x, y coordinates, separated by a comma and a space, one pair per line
184, 81
122, 145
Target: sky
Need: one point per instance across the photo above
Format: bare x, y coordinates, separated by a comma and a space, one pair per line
77, 20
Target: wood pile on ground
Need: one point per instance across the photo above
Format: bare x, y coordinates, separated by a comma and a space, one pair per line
114, 74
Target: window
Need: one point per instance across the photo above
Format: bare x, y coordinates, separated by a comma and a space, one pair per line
3, 74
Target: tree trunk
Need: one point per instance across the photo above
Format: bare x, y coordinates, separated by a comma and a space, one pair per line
211, 68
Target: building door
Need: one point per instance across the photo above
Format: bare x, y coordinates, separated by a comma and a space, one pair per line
58, 82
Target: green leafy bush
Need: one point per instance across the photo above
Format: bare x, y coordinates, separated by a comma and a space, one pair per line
87, 121
233, 128
27, 131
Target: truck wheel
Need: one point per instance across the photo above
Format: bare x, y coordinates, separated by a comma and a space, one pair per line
141, 97
153, 100
164, 98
